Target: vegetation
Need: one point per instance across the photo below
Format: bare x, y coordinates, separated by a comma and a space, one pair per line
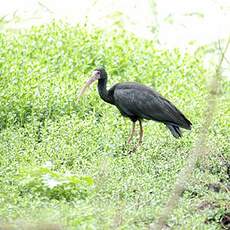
65, 162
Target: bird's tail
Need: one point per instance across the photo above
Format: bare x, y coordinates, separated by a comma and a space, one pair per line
175, 130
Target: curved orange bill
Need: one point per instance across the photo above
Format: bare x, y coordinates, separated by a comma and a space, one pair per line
88, 83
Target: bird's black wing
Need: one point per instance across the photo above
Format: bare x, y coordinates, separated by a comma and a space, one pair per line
137, 100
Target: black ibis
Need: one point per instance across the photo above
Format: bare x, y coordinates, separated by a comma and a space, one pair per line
138, 102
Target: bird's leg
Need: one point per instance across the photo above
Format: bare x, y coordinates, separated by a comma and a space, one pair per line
141, 133
132, 132
140, 139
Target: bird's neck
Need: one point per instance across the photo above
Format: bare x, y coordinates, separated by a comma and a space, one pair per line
103, 92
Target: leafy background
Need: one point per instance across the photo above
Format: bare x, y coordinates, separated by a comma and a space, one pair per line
65, 161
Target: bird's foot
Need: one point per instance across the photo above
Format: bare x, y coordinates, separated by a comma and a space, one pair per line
133, 150
127, 151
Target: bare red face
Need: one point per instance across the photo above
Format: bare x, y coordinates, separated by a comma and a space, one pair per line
96, 73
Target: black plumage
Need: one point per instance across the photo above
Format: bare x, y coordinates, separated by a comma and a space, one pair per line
139, 102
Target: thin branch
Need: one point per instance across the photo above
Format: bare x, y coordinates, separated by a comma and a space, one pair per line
199, 149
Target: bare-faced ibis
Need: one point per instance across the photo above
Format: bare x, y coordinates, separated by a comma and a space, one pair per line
139, 102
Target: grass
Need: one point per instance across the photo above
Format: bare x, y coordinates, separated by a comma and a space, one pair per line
64, 162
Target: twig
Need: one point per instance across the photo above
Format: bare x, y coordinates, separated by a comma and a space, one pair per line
198, 150
42, 5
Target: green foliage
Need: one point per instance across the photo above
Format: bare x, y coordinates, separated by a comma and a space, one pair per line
54, 185
41, 73
42, 69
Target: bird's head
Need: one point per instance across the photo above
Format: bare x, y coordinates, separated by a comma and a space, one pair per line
98, 74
